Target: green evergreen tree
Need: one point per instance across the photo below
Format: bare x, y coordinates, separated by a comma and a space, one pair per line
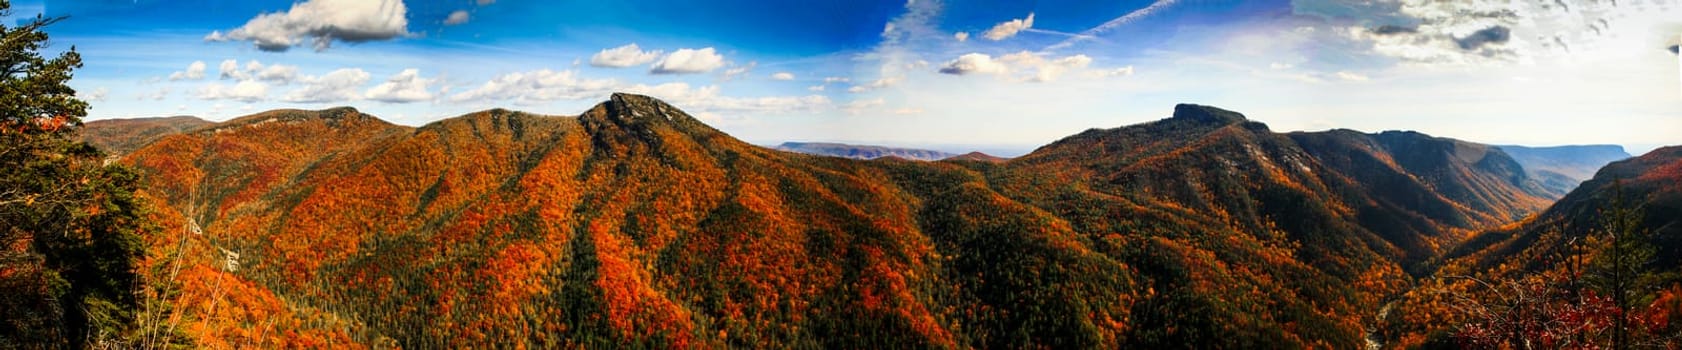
69, 224
1619, 271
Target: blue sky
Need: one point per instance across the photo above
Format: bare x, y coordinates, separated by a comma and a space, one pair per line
1000, 76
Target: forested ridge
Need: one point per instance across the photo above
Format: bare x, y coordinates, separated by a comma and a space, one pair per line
635, 223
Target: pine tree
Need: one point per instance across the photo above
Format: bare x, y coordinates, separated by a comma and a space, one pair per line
1620, 268
69, 224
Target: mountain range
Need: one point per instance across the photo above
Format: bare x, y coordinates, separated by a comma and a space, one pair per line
861, 151
634, 223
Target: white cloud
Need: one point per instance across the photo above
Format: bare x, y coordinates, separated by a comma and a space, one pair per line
1007, 29
623, 56
815, 88
1114, 72
230, 70
195, 71
404, 87
874, 85
1351, 76
537, 86
1489, 32
689, 61
337, 86
830, 80
1028, 66
708, 99
1112, 24
961, 36
546, 85
732, 73
244, 91
276, 73
97, 95
860, 106
321, 22
457, 17
973, 63
782, 76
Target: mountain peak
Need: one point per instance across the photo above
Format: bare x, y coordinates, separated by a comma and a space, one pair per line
1206, 114
625, 107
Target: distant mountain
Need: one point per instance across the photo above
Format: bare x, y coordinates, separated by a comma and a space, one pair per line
861, 151
121, 136
1561, 168
978, 156
634, 224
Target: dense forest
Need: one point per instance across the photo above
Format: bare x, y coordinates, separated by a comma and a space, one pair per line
634, 224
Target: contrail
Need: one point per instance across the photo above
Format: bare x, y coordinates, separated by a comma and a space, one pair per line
1130, 17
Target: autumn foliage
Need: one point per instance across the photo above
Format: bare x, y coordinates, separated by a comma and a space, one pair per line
634, 223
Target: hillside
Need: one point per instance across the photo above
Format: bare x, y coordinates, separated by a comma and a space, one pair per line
634, 223
1562, 168
121, 136
1553, 248
979, 157
861, 151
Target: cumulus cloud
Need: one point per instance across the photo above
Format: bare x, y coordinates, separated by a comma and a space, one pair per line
255, 70
457, 17
1497, 32
276, 73
1007, 29
973, 63
689, 61
230, 70
815, 88
537, 86
404, 87
1351, 76
782, 76
623, 56
541, 86
709, 99
321, 22
245, 91
195, 71
337, 86
961, 36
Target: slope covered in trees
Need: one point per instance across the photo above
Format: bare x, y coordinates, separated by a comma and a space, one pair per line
121, 136
1597, 269
635, 223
